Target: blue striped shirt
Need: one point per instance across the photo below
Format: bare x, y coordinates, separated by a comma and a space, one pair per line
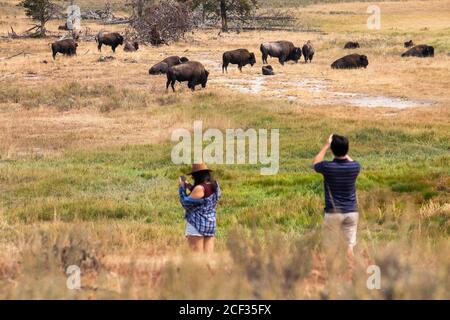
339, 184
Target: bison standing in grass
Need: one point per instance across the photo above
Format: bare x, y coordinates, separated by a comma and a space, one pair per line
113, 40
192, 71
308, 51
163, 66
66, 47
421, 51
241, 57
283, 50
352, 61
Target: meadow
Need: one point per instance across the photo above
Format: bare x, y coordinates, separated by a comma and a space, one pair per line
86, 176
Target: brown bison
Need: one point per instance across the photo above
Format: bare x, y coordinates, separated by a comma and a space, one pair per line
163, 66
409, 44
241, 57
131, 46
66, 47
267, 70
283, 50
351, 45
159, 68
308, 51
352, 61
421, 51
191, 71
113, 40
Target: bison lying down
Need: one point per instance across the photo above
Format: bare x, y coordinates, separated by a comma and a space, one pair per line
241, 57
421, 51
267, 70
131, 46
352, 61
191, 71
283, 50
163, 66
113, 40
66, 47
351, 45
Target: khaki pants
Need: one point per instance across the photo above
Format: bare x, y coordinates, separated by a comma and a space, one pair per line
340, 224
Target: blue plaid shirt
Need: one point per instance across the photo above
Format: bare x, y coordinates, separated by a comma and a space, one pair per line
201, 213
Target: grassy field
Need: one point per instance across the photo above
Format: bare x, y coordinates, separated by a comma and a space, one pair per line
85, 164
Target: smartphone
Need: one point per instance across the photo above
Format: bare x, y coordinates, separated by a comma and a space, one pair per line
183, 178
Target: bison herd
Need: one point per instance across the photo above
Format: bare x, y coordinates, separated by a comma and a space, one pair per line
182, 69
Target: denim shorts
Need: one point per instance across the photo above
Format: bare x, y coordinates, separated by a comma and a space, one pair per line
191, 231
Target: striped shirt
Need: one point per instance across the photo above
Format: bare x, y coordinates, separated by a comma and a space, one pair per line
339, 184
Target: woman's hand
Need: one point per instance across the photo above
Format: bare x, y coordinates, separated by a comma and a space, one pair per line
182, 183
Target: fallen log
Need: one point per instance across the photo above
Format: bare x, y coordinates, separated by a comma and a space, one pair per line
16, 55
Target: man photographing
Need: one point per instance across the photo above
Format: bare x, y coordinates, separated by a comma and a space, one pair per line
341, 205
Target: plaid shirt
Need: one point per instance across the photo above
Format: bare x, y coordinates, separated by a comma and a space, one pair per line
201, 213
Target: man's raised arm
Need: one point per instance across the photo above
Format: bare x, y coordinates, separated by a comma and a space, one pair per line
323, 152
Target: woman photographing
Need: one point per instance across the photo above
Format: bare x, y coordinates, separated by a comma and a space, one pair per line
200, 206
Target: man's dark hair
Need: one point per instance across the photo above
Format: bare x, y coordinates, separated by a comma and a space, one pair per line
339, 145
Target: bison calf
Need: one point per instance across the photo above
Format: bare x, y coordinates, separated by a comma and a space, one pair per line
308, 51
241, 57
113, 40
352, 61
66, 47
192, 71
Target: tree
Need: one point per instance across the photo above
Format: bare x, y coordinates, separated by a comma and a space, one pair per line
39, 10
161, 22
226, 8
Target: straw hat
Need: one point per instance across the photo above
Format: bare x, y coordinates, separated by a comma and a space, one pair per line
197, 167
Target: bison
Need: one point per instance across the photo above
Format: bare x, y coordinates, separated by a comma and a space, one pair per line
283, 50
191, 71
352, 61
409, 44
66, 47
267, 70
131, 46
308, 51
113, 40
159, 68
163, 66
175, 60
421, 51
241, 57
351, 45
